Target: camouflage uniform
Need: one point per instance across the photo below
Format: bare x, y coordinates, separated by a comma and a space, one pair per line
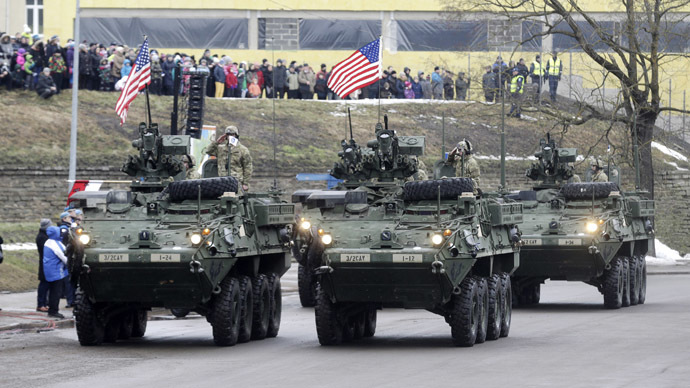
600, 176
421, 174
192, 170
240, 159
471, 168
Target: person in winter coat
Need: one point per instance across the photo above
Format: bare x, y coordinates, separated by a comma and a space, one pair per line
156, 77
280, 74
306, 79
321, 87
448, 85
46, 86
409, 93
43, 285
104, 75
219, 75
437, 84
461, 87
168, 68
417, 88
126, 69
427, 90
53, 46
293, 84
117, 62
254, 90
230, 81
58, 69
55, 269
84, 67
6, 49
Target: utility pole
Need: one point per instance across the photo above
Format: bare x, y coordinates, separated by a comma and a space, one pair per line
75, 105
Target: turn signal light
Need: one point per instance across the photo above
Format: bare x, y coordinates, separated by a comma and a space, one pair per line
206, 231
447, 232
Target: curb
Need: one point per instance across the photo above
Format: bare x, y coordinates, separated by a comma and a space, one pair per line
39, 326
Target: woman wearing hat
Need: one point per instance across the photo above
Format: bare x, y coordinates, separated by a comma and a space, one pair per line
43, 285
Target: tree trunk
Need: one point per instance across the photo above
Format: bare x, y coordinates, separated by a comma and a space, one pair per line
645, 133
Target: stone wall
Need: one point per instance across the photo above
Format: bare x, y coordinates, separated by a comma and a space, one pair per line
284, 32
504, 35
672, 221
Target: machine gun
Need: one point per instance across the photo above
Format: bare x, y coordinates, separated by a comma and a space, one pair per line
552, 167
386, 158
159, 157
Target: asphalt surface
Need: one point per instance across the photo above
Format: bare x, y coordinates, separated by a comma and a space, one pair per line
569, 340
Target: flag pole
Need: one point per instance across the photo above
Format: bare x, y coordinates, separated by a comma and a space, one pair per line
148, 104
379, 81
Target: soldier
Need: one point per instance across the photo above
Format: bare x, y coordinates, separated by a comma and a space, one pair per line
420, 175
240, 161
598, 174
189, 165
465, 164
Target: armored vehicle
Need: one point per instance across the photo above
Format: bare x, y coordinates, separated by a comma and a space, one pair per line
589, 231
187, 245
423, 245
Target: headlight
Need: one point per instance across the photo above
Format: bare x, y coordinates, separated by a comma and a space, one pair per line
436, 239
326, 239
591, 227
305, 225
84, 239
195, 238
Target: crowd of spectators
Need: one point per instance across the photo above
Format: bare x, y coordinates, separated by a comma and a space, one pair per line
27, 62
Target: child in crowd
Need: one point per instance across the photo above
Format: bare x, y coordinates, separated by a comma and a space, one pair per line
254, 89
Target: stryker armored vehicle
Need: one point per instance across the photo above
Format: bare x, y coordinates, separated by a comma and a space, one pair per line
423, 245
187, 245
590, 232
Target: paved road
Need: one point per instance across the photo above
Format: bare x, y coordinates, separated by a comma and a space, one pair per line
568, 340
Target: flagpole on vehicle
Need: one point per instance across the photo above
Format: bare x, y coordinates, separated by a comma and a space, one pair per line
148, 104
72, 176
379, 81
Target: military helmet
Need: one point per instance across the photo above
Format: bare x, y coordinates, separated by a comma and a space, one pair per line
232, 130
465, 145
598, 163
191, 160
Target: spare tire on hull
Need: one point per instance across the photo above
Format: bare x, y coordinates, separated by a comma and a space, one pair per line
451, 188
211, 188
585, 190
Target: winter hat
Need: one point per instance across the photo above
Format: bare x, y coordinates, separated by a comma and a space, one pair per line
407, 83
45, 223
63, 215
78, 212
21, 51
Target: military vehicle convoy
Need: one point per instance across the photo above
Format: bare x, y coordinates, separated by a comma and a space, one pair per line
590, 232
423, 245
188, 245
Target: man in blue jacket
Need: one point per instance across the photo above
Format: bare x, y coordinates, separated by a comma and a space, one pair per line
54, 269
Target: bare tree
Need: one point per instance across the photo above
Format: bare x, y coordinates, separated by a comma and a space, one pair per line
633, 51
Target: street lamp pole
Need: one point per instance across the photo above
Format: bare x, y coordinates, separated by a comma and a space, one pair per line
75, 104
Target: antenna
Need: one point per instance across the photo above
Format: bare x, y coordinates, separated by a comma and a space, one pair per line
503, 125
443, 135
349, 118
275, 164
385, 121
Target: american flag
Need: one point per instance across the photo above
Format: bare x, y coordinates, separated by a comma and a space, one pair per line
360, 69
139, 77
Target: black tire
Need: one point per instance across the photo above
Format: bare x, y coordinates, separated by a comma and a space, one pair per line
276, 305
227, 307
126, 326
634, 275
536, 293
247, 314
140, 321
626, 283
482, 328
306, 282
465, 313
112, 329
507, 308
451, 188
211, 188
90, 331
262, 307
370, 322
329, 329
180, 313
359, 321
613, 285
493, 288
585, 190
643, 279
348, 330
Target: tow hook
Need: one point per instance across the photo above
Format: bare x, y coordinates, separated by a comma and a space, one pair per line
593, 250
324, 269
437, 267
195, 267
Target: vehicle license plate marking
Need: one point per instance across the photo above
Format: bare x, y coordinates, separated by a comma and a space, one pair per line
113, 258
355, 258
165, 257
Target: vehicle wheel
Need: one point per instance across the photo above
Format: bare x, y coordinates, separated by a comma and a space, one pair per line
370, 322
227, 308
348, 330
625, 302
507, 308
306, 281
262, 307
328, 328
112, 329
276, 305
643, 279
210, 188
247, 314
451, 188
90, 331
494, 319
634, 275
613, 285
126, 325
536, 293
482, 327
180, 313
465, 313
140, 320
359, 322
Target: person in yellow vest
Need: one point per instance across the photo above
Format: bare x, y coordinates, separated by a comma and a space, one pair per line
554, 68
536, 71
517, 87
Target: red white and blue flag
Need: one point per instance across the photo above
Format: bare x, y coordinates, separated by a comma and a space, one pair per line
360, 69
138, 78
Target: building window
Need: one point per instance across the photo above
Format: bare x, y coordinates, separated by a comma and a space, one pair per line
34, 15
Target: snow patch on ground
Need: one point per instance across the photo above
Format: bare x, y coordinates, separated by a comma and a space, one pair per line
338, 114
674, 164
665, 255
19, 247
392, 111
669, 151
530, 118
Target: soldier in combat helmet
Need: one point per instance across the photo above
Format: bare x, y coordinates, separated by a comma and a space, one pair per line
228, 147
465, 164
189, 165
598, 174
